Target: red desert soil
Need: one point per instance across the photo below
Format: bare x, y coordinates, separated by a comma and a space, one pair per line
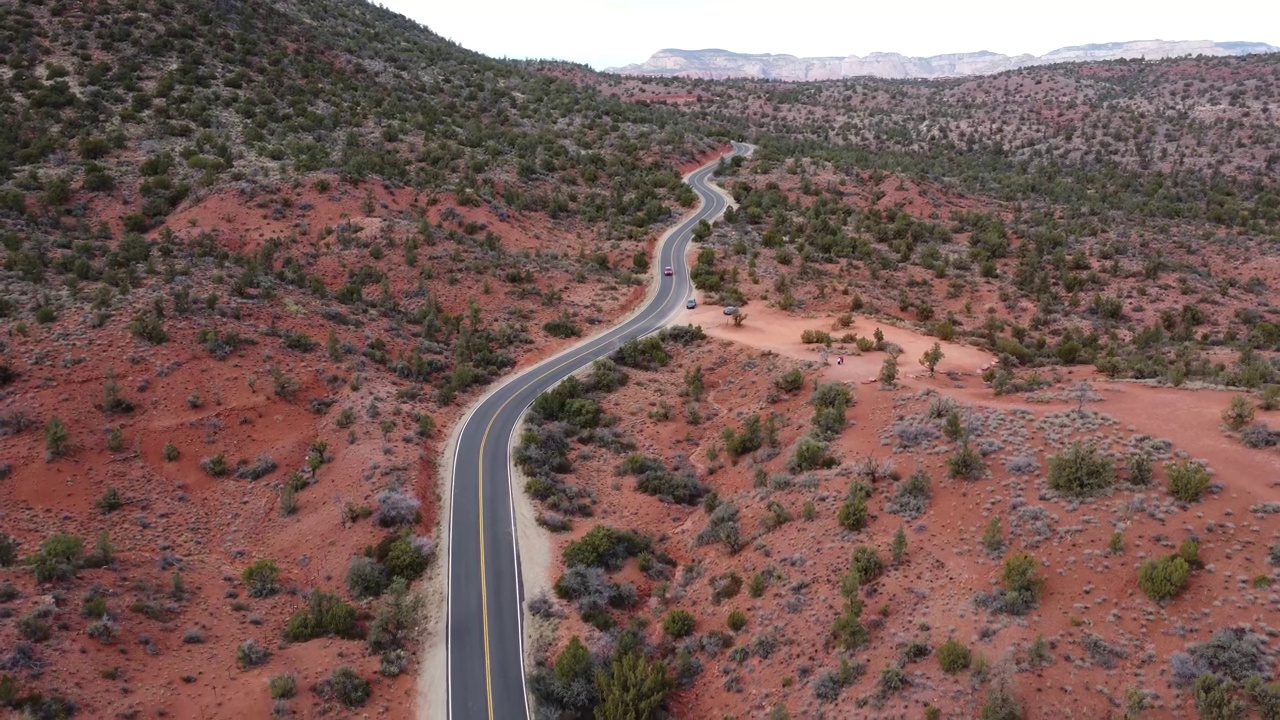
1090, 597
176, 518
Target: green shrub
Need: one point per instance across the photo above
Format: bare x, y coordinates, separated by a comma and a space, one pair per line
57, 439
632, 688
1216, 700
1000, 702
33, 628
215, 466
300, 341
562, 327
146, 326
966, 463
642, 354
993, 537
346, 687
402, 554
1082, 471
1019, 575
953, 656
899, 549
678, 623
60, 557
110, 501
605, 547
790, 381
1187, 480
1022, 587
830, 402
737, 620
892, 680
8, 551
282, 687
747, 440
1189, 550
1238, 413
889, 372
866, 565
1139, 469
911, 496
396, 619
1269, 397
810, 454
365, 578
1163, 578
654, 478
249, 654
260, 578
325, 615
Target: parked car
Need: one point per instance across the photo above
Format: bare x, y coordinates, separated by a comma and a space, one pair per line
730, 310
668, 271
691, 303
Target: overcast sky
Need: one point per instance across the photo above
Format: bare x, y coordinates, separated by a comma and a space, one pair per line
604, 33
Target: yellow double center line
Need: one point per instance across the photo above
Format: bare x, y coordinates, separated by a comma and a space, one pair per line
484, 439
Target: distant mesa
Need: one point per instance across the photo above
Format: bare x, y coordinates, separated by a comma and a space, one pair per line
716, 64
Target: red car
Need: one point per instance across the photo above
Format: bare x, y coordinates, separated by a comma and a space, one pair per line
668, 271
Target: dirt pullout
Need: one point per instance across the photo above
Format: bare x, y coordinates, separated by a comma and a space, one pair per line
767, 328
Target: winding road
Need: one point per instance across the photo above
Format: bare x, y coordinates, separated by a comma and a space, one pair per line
485, 634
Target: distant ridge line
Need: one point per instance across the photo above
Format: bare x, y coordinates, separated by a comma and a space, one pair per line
720, 64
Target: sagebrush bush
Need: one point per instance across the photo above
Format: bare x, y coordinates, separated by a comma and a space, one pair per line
365, 578
1259, 435
1235, 653
250, 654
911, 496
396, 508
346, 687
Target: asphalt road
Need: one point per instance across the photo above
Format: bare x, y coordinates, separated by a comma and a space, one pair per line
485, 637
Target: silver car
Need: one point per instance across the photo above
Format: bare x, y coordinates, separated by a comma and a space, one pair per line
691, 303
730, 310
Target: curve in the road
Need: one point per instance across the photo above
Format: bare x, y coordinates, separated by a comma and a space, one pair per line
485, 635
